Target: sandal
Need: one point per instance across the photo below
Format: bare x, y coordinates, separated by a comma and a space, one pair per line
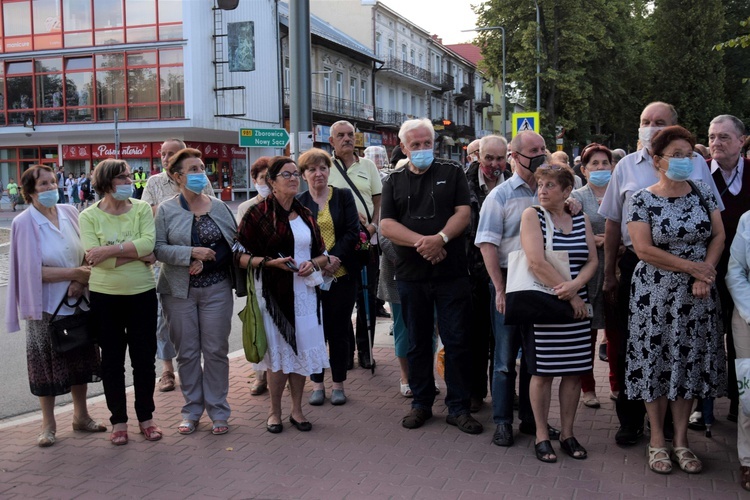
152, 433
187, 427
88, 425
590, 400
545, 448
119, 438
654, 459
258, 388
405, 390
571, 446
46, 438
684, 457
745, 477
219, 427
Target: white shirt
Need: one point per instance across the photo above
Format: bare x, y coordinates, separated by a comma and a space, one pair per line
733, 178
739, 266
60, 248
634, 172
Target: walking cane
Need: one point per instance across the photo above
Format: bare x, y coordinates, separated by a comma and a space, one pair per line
366, 296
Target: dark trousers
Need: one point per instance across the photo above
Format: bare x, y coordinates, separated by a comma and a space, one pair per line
450, 298
481, 339
338, 303
126, 322
629, 412
727, 311
363, 327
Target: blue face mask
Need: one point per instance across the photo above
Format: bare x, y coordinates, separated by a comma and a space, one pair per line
422, 158
600, 178
679, 169
196, 182
123, 192
48, 198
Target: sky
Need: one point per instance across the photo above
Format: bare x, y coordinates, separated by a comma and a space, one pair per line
445, 18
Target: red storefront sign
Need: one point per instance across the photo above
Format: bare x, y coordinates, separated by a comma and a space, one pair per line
76, 152
390, 138
133, 150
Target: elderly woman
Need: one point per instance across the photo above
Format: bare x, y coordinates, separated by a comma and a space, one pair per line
738, 282
45, 268
544, 359
675, 351
596, 167
194, 237
258, 172
118, 235
283, 246
336, 213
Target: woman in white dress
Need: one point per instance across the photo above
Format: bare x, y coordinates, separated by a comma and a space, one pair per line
283, 246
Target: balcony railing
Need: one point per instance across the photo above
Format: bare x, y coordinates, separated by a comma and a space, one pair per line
322, 103
407, 68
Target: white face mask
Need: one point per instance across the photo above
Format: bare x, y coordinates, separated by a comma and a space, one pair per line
645, 134
263, 190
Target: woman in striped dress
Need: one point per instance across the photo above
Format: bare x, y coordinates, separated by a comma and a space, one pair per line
564, 349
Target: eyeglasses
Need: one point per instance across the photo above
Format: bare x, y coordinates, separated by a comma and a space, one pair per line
432, 201
678, 155
289, 175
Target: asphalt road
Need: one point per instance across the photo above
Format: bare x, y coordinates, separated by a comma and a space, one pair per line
15, 398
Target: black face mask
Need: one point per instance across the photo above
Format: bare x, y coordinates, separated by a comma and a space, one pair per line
534, 161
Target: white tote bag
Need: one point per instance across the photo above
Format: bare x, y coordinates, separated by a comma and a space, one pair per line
520, 277
743, 383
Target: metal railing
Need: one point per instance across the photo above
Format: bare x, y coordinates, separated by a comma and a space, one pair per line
351, 109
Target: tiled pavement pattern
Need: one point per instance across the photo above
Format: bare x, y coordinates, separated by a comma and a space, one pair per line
358, 450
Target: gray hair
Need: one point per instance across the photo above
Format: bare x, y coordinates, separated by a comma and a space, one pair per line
340, 123
410, 125
516, 144
736, 122
618, 154
487, 139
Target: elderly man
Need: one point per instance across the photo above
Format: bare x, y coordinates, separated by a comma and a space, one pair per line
160, 188
483, 176
472, 153
726, 135
361, 176
425, 215
635, 171
498, 234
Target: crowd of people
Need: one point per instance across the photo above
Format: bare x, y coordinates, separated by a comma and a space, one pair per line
656, 247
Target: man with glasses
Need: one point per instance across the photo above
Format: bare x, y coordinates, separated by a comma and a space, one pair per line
726, 135
634, 172
498, 234
425, 214
159, 188
483, 176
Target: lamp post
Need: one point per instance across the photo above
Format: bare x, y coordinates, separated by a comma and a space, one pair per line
538, 51
502, 101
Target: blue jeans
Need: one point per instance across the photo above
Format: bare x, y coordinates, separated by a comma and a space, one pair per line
451, 299
507, 342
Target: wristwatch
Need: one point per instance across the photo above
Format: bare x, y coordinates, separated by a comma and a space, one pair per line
444, 236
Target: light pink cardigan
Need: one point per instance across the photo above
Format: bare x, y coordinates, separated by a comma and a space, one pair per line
25, 282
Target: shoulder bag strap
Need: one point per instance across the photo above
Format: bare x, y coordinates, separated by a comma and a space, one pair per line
550, 229
64, 300
341, 169
701, 199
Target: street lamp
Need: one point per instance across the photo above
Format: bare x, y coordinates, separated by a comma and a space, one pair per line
538, 52
502, 102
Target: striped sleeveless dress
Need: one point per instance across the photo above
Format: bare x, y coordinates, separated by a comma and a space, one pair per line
566, 348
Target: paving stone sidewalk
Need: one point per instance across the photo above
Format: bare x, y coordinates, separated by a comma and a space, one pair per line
358, 450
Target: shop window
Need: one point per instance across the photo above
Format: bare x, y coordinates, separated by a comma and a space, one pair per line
170, 56
77, 16
107, 14
140, 12
110, 88
108, 114
142, 86
116, 60
146, 34
170, 32
170, 11
17, 18
78, 39
109, 37
172, 84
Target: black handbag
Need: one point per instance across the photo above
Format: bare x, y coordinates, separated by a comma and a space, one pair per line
71, 332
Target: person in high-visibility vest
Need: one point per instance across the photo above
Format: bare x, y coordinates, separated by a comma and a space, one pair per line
140, 182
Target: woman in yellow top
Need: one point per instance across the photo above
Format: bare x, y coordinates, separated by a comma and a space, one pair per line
118, 234
338, 219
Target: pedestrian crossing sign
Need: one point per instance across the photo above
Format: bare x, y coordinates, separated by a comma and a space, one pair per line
525, 121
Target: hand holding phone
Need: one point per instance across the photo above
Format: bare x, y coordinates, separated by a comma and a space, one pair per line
289, 263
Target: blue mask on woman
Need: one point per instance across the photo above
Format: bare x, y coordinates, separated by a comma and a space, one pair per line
422, 158
600, 178
48, 198
196, 182
123, 192
679, 169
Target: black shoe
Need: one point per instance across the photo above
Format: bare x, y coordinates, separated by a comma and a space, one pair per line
603, 352
696, 422
416, 418
466, 423
628, 436
503, 435
274, 428
382, 313
529, 427
365, 362
301, 426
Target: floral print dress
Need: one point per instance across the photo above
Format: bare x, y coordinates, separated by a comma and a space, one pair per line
676, 344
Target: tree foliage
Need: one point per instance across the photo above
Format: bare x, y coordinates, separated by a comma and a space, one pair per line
602, 61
